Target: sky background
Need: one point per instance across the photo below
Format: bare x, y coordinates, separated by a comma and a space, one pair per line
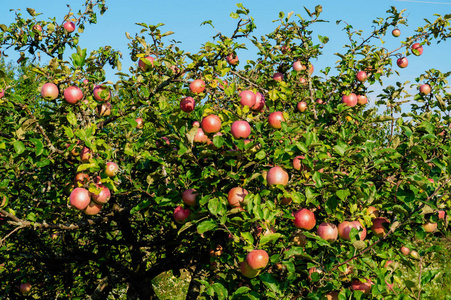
184, 18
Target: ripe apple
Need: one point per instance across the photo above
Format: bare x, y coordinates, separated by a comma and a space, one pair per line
257, 259
69, 26
301, 106
196, 124
25, 288
37, 28
275, 119
414, 254
362, 100
80, 198
319, 101
300, 239
429, 226
101, 93
187, 104
103, 196
140, 123
278, 76
73, 94
298, 66
180, 214
197, 86
81, 178
142, 62
372, 211
350, 100
277, 175
328, 232
304, 219
248, 98
378, 227
365, 286
104, 109
211, 124
111, 169
402, 62
85, 154
241, 129
425, 89
236, 195
361, 76
49, 91
93, 208
396, 32
189, 197
345, 227
200, 136
405, 250
303, 80
2, 93
417, 49
232, 59
297, 163
248, 271
259, 102
441, 214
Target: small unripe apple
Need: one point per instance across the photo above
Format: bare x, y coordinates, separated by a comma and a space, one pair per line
362, 100
429, 226
69, 26
37, 28
405, 250
111, 169
396, 32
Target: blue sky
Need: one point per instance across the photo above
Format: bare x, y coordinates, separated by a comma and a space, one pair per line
184, 18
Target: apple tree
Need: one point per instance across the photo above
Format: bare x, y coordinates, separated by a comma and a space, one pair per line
264, 179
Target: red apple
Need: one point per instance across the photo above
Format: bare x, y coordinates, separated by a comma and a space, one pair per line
37, 28
319, 101
425, 89
248, 271
429, 226
301, 106
303, 80
362, 100
49, 91
80, 198
417, 49
73, 94
101, 93
259, 102
196, 124
139, 123
378, 226
275, 119
362, 76
304, 219
257, 259
298, 66
2, 93
25, 288
69, 26
248, 98
405, 250
350, 100
81, 178
102, 196
236, 195
278, 77
396, 32
142, 62
365, 286
345, 227
200, 137
232, 59
85, 154
277, 175
298, 165
211, 124
180, 214
241, 129
402, 62
441, 214
189, 197
111, 169
197, 86
93, 208
328, 232
187, 104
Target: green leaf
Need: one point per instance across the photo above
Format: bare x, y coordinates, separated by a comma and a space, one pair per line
71, 118
343, 194
247, 236
220, 291
260, 155
206, 226
269, 238
19, 147
270, 282
39, 146
341, 147
240, 291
